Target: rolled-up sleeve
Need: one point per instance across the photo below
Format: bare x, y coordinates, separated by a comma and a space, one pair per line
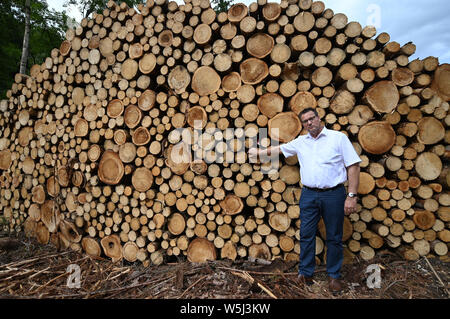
289, 149
348, 152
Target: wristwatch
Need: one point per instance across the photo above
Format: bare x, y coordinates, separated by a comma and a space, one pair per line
352, 195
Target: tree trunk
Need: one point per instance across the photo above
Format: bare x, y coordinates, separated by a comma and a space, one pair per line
26, 39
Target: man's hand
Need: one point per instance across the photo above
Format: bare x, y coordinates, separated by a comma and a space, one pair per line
350, 205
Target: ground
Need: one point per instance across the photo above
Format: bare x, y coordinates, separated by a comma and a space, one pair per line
29, 270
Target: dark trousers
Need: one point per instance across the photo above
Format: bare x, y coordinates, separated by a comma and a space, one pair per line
330, 206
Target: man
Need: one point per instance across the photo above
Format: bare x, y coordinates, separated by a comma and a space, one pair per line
327, 159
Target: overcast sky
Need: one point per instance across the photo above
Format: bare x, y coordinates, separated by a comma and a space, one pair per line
425, 23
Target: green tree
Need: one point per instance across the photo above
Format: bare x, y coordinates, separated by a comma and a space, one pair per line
87, 7
47, 29
221, 5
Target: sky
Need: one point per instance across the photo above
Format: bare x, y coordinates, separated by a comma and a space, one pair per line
425, 23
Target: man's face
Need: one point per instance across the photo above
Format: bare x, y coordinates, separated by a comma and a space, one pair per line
311, 122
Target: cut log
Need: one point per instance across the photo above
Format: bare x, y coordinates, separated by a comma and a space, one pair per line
237, 12
42, 234
114, 108
129, 251
299, 43
142, 179
231, 205
81, 128
110, 168
260, 45
321, 77
202, 34
280, 53
135, 50
196, 117
428, 166
422, 247
5, 159
270, 104
178, 158
279, 221
271, 11
176, 224
65, 47
112, 247
383, 96
366, 183
301, 101
253, 71
304, 21
179, 79
441, 82
91, 246
129, 69
284, 127
141, 136
376, 137
430, 131
439, 248
34, 212
201, 250
132, 116
147, 63
69, 231
231, 82
228, 251
205, 81
342, 102
147, 100
424, 219
50, 215
290, 174
260, 251
402, 76
165, 38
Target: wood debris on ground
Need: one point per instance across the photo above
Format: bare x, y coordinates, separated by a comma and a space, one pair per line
29, 270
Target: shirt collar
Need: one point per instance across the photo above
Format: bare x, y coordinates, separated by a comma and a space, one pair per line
323, 132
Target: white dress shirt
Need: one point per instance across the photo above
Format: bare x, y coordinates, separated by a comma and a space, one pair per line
323, 160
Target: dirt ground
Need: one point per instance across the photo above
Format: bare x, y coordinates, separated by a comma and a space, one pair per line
29, 270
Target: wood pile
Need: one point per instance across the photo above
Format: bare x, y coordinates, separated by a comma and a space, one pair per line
100, 152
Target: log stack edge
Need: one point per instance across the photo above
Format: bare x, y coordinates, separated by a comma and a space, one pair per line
96, 155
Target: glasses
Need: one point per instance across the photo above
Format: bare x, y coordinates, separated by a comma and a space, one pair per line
310, 119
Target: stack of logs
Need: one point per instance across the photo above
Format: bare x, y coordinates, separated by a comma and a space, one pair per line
97, 148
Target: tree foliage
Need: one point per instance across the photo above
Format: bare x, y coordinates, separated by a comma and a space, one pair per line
47, 32
221, 5
87, 7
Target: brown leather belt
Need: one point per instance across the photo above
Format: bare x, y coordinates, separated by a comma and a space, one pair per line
323, 189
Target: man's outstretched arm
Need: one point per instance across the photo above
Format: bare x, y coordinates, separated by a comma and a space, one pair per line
255, 152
